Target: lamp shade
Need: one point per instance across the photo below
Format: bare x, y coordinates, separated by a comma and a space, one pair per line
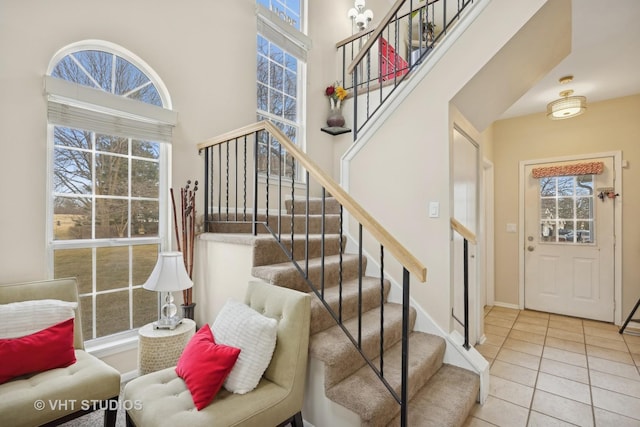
567, 107
169, 274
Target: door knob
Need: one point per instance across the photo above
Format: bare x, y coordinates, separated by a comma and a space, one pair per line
530, 248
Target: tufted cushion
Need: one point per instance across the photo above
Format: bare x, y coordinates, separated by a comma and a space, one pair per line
238, 325
32, 316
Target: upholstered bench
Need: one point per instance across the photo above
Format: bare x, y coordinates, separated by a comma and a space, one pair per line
59, 394
165, 400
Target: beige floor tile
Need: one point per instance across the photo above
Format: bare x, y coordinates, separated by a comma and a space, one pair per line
631, 338
501, 413
566, 319
504, 314
496, 330
611, 367
517, 358
531, 313
609, 419
498, 321
636, 358
564, 387
576, 347
565, 325
492, 339
488, 350
605, 353
565, 356
534, 320
565, 335
630, 387
564, 409
564, 370
511, 391
506, 309
523, 346
476, 422
616, 403
633, 347
611, 334
600, 325
527, 336
528, 327
536, 419
514, 373
618, 345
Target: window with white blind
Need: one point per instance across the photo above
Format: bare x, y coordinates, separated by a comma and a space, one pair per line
110, 124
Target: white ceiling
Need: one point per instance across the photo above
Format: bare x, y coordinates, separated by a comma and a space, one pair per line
604, 59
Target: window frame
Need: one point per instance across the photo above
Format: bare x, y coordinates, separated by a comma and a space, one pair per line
100, 102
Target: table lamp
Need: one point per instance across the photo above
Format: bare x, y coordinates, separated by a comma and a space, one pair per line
168, 275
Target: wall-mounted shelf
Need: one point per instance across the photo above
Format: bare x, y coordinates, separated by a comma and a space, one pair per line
335, 130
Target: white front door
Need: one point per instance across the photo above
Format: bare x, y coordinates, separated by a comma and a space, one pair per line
569, 242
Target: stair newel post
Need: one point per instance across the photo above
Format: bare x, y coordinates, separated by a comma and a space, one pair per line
405, 348
207, 166
306, 229
466, 293
254, 222
382, 310
324, 194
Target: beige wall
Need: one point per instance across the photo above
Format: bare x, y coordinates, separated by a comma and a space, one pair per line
606, 126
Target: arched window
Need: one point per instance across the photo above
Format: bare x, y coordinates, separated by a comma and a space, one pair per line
110, 127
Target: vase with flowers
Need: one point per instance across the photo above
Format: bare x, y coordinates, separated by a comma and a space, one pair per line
336, 93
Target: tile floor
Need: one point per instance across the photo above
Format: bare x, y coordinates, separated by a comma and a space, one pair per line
550, 370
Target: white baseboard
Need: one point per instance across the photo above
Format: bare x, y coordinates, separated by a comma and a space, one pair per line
506, 305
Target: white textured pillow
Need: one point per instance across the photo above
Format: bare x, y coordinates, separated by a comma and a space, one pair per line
238, 325
27, 317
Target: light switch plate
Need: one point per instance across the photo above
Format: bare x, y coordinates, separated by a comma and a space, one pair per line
434, 209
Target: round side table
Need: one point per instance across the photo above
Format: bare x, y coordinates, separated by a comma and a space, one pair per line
161, 348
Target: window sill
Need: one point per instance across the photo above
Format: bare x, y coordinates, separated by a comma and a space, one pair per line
103, 347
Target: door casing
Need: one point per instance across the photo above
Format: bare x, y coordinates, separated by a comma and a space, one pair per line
617, 163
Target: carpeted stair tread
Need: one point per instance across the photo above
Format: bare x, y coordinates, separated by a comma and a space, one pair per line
341, 357
267, 250
377, 406
331, 224
287, 275
320, 317
446, 399
331, 205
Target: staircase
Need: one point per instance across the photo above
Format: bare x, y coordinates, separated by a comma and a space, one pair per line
439, 394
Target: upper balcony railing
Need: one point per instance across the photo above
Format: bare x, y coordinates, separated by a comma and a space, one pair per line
376, 61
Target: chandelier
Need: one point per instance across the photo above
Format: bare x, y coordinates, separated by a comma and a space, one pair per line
360, 16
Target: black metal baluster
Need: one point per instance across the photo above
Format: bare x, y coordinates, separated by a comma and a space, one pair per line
244, 195
360, 285
466, 294
236, 179
268, 174
293, 186
405, 349
306, 231
254, 224
227, 184
220, 182
340, 273
322, 243
382, 310
279, 192
207, 188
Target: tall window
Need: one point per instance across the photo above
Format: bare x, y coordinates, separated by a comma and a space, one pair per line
108, 178
282, 48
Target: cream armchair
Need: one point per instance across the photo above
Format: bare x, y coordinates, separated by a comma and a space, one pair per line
164, 399
60, 394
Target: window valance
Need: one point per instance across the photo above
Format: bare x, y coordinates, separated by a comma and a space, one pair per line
586, 168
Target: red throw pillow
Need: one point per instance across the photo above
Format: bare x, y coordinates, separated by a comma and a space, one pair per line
46, 349
204, 365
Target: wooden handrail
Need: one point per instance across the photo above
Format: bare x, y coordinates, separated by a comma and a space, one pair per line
463, 231
410, 262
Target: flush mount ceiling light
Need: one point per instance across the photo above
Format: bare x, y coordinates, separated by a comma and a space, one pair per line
567, 106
